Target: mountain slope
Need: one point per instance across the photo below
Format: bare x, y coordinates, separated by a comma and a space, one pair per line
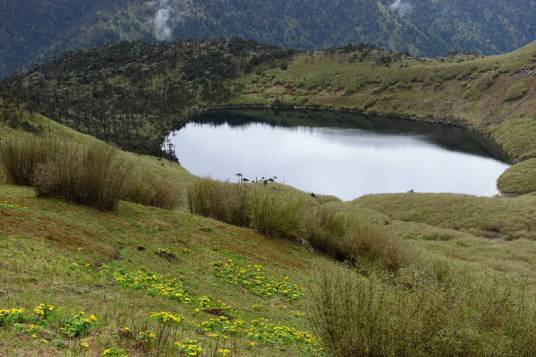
34, 29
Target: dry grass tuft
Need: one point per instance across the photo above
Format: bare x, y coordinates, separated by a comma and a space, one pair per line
94, 175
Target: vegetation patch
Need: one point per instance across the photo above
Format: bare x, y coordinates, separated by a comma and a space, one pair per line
253, 278
517, 91
94, 174
518, 179
421, 314
517, 137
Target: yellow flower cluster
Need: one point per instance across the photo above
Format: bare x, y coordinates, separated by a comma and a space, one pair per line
189, 348
154, 284
10, 205
43, 311
223, 352
114, 352
204, 301
260, 330
11, 316
146, 338
167, 318
78, 325
253, 278
221, 324
271, 334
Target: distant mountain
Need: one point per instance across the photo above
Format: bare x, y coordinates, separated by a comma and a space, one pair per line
33, 29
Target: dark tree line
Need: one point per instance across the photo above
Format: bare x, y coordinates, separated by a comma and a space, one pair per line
132, 94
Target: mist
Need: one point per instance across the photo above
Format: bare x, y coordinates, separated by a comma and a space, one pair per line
168, 14
401, 6
162, 27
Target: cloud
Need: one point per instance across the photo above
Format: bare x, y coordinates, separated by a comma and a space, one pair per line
168, 14
162, 27
401, 6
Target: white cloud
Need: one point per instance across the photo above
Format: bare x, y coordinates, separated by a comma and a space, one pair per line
169, 13
402, 6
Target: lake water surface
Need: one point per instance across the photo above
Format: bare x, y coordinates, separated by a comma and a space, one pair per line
345, 155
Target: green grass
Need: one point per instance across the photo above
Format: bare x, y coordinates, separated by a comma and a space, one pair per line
516, 92
516, 136
46, 263
496, 218
514, 180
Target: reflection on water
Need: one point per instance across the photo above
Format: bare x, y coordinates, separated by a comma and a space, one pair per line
345, 155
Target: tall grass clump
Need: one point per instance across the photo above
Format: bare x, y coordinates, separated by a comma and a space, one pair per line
339, 232
414, 314
331, 228
247, 206
89, 175
20, 157
222, 201
154, 190
276, 216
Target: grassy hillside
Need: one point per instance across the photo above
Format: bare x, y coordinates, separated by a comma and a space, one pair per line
135, 239
238, 292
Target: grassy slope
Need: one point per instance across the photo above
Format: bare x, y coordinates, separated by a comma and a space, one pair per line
493, 95
40, 239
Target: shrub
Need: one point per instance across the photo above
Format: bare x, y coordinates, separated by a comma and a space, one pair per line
153, 190
336, 231
347, 315
247, 206
92, 175
324, 225
275, 216
19, 158
367, 241
415, 314
223, 201
89, 175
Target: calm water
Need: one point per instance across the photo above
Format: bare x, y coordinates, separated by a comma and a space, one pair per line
345, 155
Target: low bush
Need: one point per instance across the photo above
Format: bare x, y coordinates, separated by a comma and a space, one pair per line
346, 236
91, 176
19, 158
275, 216
153, 190
222, 201
331, 228
415, 314
246, 206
